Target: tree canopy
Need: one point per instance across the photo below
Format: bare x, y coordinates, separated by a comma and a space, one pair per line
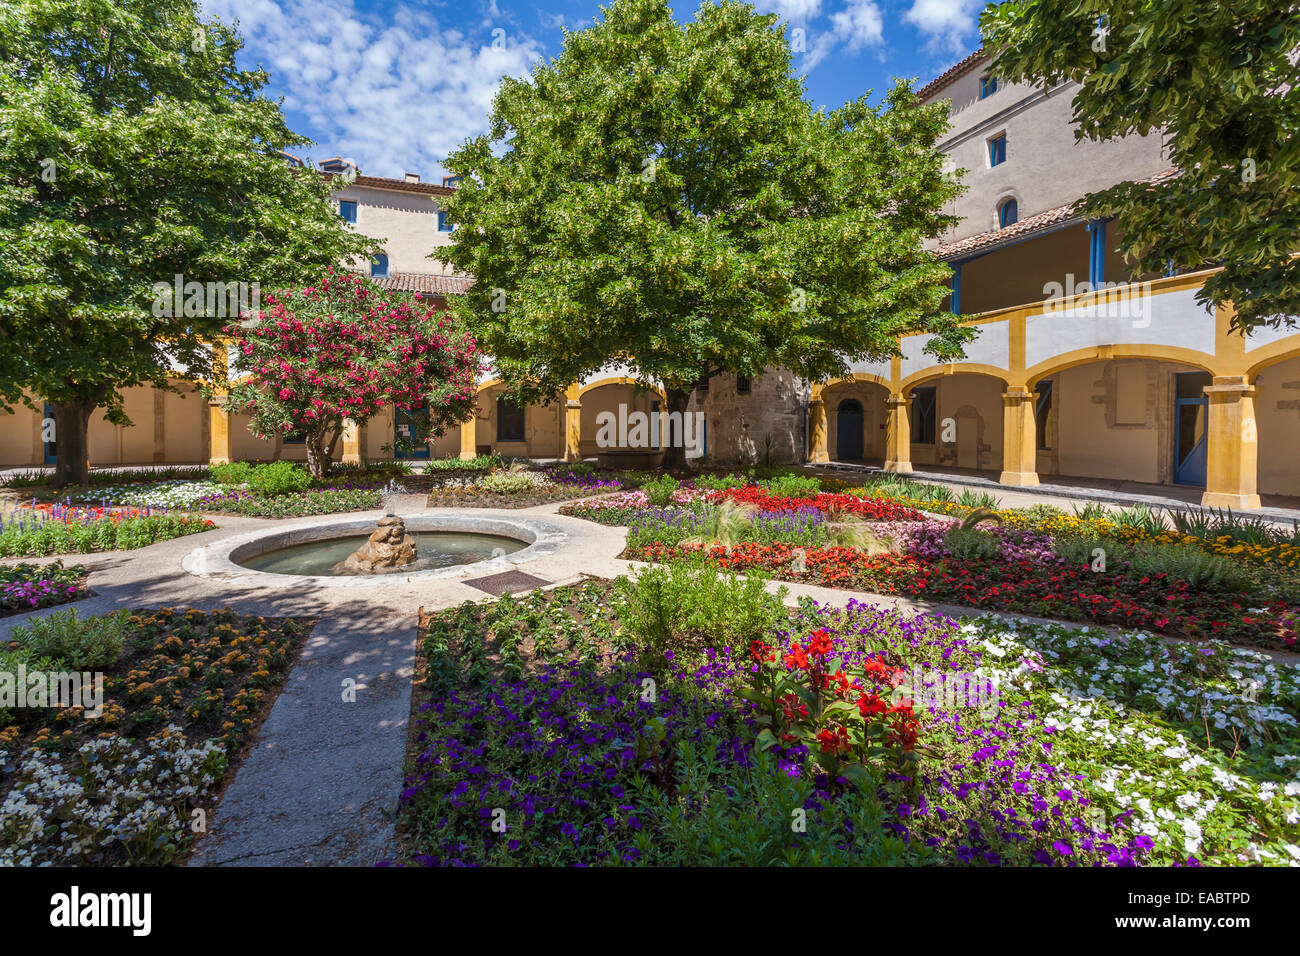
666, 197
1218, 81
133, 151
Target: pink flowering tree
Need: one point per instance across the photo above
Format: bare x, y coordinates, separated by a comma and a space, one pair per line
343, 349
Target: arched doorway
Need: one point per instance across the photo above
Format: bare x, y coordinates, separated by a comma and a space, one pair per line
848, 429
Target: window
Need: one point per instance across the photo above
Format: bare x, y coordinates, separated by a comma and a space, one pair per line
510, 420
923, 415
997, 150
443, 224
1008, 213
742, 384
348, 210
988, 85
379, 267
1043, 415
451, 181
295, 438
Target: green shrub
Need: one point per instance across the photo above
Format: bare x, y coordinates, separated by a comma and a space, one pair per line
1144, 519
685, 607
279, 478
1076, 549
971, 544
719, 482
508, 482
660, 490
82, 643
231, 473
793, 486
22, 657
1201, 570
481, 463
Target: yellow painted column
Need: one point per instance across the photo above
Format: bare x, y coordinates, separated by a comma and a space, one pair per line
572, 423
898, 435
469, 438
818, 452
1019, 438
1232, 444
351, 442
218, 417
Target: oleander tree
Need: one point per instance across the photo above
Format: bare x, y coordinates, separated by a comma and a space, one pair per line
1218, 82
133, 151
666, 197
344, 349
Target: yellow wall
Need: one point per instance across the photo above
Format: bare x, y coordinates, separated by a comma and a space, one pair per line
1277, 407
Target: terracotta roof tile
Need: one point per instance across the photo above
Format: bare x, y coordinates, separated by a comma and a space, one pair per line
424, 282
400, 185
987, 241
957, 70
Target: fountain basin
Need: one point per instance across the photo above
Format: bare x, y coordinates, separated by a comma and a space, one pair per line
261, 558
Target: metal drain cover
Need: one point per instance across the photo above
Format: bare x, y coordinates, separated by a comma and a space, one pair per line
507, 582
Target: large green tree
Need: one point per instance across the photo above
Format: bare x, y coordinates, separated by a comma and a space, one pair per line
133, 151
665, 196
1219, 82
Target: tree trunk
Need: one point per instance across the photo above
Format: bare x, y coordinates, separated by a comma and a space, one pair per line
675, 446
71, 437
318, 456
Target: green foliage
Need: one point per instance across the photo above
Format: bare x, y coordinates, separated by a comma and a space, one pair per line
971, 544
232, 473
480, 463
659, 491
719, 482
81, 643
1216, 82
1079, 549
685, 607
508, 482
34, 537
1141, 518
1203, 571
97, 219
793, 485
980, 515
650, 149
278, 478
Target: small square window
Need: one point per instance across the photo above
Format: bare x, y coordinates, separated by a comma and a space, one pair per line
443, 224
379, 266
988, 85
998, 150
510, 420
742, 384
348, 210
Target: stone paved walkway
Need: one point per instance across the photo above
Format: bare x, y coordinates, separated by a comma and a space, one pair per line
320, 784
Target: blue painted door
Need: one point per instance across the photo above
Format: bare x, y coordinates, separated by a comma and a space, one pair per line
1191, 420
848, 430
408, 424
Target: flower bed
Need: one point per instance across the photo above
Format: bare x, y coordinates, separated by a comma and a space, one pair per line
53, 528
1024, 586
519, 489
1079, 748
830, 503
366, 496
185, 690
26, 587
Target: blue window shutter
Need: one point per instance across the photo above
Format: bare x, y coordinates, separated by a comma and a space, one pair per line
348, 210
379, 267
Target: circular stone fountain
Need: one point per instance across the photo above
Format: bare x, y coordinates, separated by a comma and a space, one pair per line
316, 554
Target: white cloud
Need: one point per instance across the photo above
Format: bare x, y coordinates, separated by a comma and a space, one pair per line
950, 25
795, 11
859, 25
395, 94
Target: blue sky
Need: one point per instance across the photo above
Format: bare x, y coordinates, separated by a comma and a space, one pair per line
396, 86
